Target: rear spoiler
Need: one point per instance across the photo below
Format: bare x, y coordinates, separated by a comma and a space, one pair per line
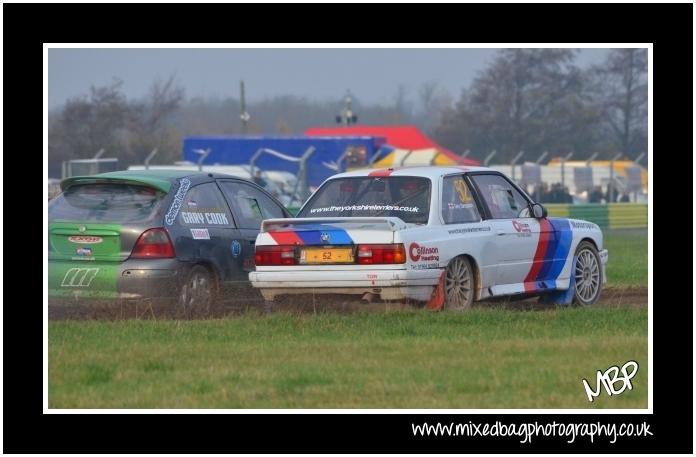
385, 223
161, 184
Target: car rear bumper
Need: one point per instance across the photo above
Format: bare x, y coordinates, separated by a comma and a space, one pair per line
389, 284
152, 279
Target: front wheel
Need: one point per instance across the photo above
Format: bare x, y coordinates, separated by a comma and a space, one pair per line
588, 274
459, 284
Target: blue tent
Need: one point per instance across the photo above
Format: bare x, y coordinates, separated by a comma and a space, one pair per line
238, 150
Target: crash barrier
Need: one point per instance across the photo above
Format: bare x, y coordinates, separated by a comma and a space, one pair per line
612, 216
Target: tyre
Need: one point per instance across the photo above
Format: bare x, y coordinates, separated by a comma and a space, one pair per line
197, 295
588, 275
459, 284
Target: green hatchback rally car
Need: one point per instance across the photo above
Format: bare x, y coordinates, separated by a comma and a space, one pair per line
163, 236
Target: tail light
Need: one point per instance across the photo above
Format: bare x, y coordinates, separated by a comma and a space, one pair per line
275, 255
373, 254
153, 244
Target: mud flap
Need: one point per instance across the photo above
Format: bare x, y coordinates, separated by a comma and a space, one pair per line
562, 297
437, 301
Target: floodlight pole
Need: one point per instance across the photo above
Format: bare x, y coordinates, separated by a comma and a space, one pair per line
149, 158
563, 161
203, 156
588, 162
610, 187
542, 157
243, 114
514, 161
488, 158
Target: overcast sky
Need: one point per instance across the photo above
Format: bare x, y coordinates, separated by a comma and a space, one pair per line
321, 74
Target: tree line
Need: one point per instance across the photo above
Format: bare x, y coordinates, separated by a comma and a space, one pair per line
531, 100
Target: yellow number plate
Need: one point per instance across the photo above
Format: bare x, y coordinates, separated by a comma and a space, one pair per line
326, 255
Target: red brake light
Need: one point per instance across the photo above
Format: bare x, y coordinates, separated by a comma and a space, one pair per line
153, 244
373, 254
275, 255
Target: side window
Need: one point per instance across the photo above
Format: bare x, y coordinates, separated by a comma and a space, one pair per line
458, 205
501, 198
250, 205
203, 205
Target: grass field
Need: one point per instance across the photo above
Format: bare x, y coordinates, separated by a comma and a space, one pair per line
488, 357
628, 257
485, 358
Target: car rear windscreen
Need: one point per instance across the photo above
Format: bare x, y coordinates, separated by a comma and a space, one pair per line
106, 202
405, 197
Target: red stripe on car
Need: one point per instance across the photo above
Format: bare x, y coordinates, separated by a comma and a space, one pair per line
286, 237
545, 232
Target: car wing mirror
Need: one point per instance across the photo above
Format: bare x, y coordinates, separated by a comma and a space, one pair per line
538, 211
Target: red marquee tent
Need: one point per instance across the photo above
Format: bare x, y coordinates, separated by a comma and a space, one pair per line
400, 136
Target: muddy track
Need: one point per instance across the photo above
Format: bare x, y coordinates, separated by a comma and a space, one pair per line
628, 296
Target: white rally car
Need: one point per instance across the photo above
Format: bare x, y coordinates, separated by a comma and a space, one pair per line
445, 236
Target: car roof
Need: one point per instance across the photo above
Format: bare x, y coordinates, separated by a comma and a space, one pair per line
159, 179
431, 172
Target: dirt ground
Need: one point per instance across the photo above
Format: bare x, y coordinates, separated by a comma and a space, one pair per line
252, 302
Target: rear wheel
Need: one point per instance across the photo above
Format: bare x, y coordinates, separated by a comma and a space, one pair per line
197, 295
459, 284
588, 274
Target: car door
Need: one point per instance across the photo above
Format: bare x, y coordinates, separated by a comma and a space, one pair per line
206, 230
250, 205
517, 233
461, 213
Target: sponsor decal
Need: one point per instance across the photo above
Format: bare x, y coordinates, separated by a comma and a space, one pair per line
84, 251
584, 225
419, 253
469, 230
192, 203
204, 218
184, 185
381, 173
340, 209
82, 229
200, 234
521, 227
424, 266
84, 239
325, 237
79, 277
463, 191
236, 248
459, 205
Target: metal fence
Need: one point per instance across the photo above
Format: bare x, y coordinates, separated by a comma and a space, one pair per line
611, 216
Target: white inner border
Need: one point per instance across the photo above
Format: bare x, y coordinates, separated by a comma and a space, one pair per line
649, 46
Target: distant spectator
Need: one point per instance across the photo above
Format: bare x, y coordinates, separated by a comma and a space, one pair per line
614, 194
596, 195
625, 198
